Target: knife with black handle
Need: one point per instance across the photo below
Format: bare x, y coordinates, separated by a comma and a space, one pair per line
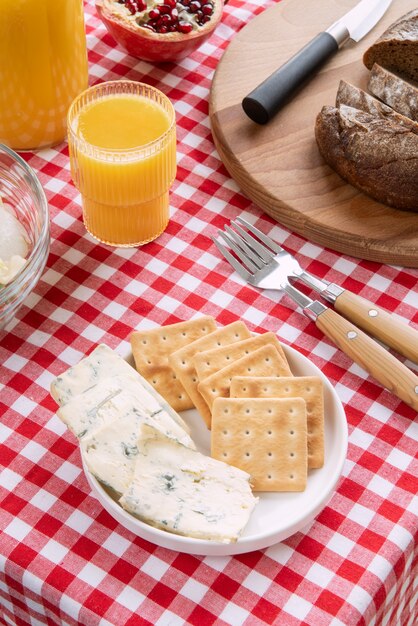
268, 98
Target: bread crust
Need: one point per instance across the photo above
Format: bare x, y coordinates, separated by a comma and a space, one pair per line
401, 95
355, 97
375, 155
397, 48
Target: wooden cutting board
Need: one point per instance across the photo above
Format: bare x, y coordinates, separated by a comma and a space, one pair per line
278, 165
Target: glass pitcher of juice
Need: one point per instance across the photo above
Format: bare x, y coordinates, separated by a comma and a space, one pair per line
43, 66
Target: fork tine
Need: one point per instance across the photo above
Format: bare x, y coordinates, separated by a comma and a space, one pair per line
273, 245
243, 249
232, 260
266, 255
241, 254
261, 250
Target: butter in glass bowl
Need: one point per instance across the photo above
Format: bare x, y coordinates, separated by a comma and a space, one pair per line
24, 233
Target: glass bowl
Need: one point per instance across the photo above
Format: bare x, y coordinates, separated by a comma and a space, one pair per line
20, 189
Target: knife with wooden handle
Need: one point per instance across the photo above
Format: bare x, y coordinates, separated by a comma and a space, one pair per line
267, 99
362, 349
367, 353
379, 323
385, 326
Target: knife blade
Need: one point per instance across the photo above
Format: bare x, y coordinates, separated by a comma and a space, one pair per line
266, 100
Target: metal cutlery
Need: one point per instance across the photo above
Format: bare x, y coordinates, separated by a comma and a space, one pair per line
264, 264
374, 320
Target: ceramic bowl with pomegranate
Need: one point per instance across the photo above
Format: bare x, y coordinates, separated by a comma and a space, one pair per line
160, 30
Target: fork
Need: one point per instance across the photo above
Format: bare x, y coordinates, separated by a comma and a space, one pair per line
264, 264
371, 318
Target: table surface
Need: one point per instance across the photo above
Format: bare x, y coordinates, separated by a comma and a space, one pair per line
64, 560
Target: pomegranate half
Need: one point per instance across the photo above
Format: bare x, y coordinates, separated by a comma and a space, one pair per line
160, 30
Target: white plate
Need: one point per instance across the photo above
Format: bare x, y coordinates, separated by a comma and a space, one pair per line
277, 515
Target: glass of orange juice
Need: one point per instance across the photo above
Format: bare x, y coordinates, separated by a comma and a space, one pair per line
43, 67
122, 142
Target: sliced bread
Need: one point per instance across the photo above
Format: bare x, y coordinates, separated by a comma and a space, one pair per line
401, 95
378, 156
397, 48
355, 97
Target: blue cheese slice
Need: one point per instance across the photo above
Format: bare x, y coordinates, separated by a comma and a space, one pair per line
103, 364
93, 408
185, 492
110, 452
109, 401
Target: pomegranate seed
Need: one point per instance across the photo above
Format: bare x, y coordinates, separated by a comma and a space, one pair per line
168, 16
132, 6
164, 19
184, 27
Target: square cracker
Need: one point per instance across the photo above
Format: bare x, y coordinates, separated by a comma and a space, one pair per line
151, 349
264, 361
181, 360
307, 387
265, 437
210, 361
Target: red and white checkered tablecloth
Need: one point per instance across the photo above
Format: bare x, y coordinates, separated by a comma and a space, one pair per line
63, 559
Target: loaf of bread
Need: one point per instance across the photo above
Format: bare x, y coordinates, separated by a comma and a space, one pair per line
353, 96
397, 48
374, 154
401, 95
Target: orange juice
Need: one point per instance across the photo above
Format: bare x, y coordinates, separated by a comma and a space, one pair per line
43, 66
123, 160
